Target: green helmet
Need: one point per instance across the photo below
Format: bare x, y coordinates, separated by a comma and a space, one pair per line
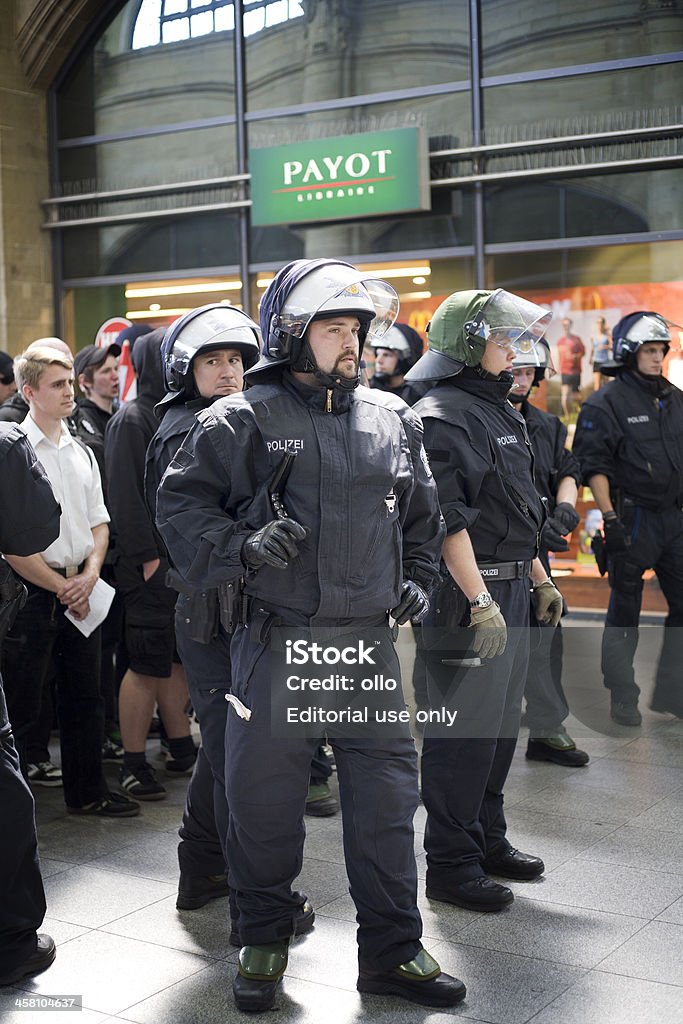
465, 321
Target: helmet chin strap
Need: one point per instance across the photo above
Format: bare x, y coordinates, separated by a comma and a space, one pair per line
305, 362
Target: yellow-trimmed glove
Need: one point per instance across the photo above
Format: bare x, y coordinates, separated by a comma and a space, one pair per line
490, 631
547, 601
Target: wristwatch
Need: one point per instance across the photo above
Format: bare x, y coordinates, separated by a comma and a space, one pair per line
483, 600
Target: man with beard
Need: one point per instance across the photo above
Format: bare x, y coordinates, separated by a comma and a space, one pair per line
354, 534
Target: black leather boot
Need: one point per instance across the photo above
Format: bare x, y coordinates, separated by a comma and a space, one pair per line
260, 971
421, 980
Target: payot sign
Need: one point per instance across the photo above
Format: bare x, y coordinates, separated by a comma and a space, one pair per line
334, 179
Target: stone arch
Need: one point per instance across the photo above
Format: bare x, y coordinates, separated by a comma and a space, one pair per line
50, 30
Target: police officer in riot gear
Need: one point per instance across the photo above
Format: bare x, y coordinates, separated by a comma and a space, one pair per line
557, 475
629, 441
395, 352
204, 355
356, 533
479, 451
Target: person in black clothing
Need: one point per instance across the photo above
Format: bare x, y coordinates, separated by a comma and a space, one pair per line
8, 385
479, 451
355, 532
395, 352
97, 374
29, 522
155, 674
204, 354
629, 441
557, 475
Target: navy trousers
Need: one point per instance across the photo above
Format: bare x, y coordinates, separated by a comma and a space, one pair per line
41, 638
464, 767
267, 780
22, 899
656, 543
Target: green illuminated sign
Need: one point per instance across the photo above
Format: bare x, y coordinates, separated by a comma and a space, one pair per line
335, 179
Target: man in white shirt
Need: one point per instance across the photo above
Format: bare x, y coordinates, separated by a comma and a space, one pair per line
60, 579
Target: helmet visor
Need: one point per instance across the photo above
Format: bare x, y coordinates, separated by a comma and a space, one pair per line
539, 357
509, 321
650, 328
347, 293
226, 327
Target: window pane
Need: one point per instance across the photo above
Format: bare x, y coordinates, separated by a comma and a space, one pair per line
135, 163
171, 31
277, 12
618, 265
116, 88
254, 21
175, 6
584, 206
382, 47
201, 24
609, 101
528, 36
147, 31
225, 19
188, 243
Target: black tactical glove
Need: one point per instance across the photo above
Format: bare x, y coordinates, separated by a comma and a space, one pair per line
274, 544
567, 515
616, 538
551, 535
414, 603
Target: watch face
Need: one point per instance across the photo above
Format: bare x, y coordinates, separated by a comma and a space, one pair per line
482, 601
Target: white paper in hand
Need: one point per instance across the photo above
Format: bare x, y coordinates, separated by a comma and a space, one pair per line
100, 602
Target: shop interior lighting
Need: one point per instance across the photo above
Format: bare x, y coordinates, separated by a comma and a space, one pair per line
183, 289
389, 272
144, 314
419, 280
415, 296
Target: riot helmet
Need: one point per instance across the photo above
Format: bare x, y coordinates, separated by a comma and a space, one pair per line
540, 359
308, 290
463, 324
204, 330
631, 332
406, 343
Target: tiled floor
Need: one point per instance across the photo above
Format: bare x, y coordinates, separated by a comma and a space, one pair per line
597, 940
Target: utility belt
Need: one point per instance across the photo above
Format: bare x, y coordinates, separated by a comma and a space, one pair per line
68, 571
504, 570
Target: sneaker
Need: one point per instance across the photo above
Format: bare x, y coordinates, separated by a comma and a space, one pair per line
112, 752
112, 805
141, 782
44, 774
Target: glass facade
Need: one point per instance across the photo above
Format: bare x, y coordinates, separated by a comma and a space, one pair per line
553, 138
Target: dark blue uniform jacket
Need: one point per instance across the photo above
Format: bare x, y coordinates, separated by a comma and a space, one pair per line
360, 484
632, 432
